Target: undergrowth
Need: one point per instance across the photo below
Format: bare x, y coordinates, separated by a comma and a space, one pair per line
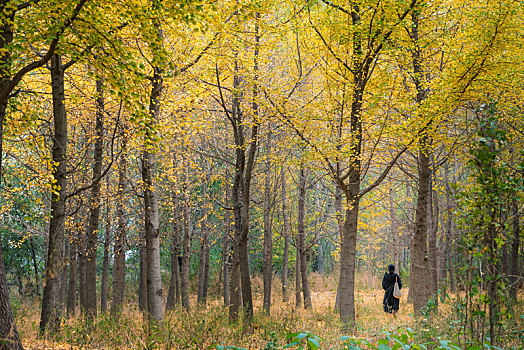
287, 327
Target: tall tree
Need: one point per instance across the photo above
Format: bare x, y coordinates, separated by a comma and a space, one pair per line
94, 204
51, 310
152, 234
120, 237
286, 232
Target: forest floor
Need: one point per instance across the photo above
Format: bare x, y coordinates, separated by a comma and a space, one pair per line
204, 328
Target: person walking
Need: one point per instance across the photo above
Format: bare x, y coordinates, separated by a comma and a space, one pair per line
391, 303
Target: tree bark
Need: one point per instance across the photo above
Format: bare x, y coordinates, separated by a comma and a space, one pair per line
287, 233
298, 281
8, 330
186, 245
432, 240
340, 223
394, 228
105, 262
268, 237
35, 263
142, 287
226, 252
420, 274
81, 250
203, 272
302, 237
50, 316
234, 283
173, 295
71, 290
514, 269
154, 281
94, 205
119, 263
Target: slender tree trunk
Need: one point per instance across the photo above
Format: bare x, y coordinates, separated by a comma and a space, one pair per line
50, 317
287, 233
186, 246
243, 244
340, 222
420, 274
154, 281
142, 287
119, 263
234, 283
318, 221
298, 280
105, 262
174, 283
94, 205
63, 273
514, 269
226, 253
268, 237
347, 265
320, 258
243, 255
204, 253
394, 228
81, 250
302, 237
71, 290
432, 240
35, 265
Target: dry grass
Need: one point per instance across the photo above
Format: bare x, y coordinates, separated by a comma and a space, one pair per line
205, 328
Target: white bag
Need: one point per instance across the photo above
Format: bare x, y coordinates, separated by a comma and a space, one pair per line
396, 290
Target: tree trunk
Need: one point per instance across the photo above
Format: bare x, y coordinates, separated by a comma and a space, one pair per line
71, 290
247, 170
10, 337
287, 233
50, 317
340, 222
234, 283
81, 250
226, 253
174, 283
302, 237
186, 246
268, 237
142, 287
94, 205
119, 263
318, 221
204, 253
63, 273
420, 274
394, 228
35, 263
8, 329
432, 241
514, 269
298, 283
154, 281
105, 262
347, 265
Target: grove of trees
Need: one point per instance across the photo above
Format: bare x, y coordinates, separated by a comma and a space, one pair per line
180, 148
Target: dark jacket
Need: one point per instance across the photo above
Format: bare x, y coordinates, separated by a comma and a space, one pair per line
388, 282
